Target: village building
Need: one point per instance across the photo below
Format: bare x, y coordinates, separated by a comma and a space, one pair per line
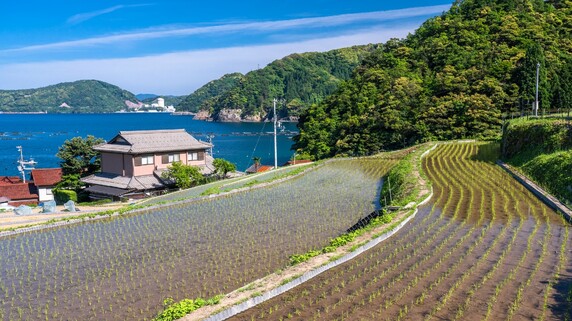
257, 168
45, 179
297, 162
15, 192
132, 162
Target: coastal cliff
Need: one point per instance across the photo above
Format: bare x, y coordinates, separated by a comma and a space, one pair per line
229, 115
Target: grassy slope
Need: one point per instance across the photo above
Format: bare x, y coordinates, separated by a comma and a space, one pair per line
542, 149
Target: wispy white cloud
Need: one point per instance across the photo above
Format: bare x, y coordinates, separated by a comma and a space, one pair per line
179, 73
264, 26
81, 17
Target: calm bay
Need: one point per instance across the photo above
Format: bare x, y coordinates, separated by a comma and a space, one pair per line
40, 136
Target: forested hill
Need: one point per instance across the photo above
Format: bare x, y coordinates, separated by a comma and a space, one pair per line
204, 95
83, 96
298, 80
453, 78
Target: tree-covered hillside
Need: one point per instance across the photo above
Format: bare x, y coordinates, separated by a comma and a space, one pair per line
203, 96
297, 80
452, 78
84, 96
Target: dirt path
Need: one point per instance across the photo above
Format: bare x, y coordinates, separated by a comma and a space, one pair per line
11, 220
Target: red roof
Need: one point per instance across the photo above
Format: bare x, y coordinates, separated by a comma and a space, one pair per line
46, 176
9, 180
260, 169
299, 161
20, 191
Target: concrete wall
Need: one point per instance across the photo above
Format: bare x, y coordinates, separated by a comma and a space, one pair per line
45, 193
141, 170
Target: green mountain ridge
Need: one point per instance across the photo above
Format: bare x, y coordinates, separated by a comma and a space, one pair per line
297, 81
83, 96
452, 79
203, 97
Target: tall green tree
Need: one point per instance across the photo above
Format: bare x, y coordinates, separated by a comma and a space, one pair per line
78, 156
526, 77
562, 88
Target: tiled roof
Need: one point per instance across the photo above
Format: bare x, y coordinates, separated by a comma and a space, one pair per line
151, 141
208, 168
260, 169
19, 191
106, 190
300, 161
9, 180
46, 176
123, 182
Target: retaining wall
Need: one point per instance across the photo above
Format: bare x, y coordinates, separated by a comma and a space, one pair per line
548, 199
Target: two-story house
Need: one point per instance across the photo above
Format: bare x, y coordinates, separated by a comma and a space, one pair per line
132, 162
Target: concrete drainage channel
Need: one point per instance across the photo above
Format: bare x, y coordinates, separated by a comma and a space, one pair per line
236, 309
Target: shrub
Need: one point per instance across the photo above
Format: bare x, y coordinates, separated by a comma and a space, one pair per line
174, 311
63, 195
211, 190
399, 187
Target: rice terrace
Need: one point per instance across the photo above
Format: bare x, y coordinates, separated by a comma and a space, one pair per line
123, 267
485, 249
375, 160
482, 248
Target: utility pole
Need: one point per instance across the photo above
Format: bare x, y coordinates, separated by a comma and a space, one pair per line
210, 137
22, 164
275, 144
389, 184
537, 81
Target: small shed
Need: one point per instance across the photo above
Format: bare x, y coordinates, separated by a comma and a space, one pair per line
258, 169
45, 180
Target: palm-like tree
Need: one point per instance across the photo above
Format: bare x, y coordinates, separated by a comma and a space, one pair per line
256, 161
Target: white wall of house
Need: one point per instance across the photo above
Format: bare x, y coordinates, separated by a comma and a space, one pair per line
45, 194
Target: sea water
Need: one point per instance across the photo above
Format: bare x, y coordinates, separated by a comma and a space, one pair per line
41, 135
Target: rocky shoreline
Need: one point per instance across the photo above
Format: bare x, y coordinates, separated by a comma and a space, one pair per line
227, 115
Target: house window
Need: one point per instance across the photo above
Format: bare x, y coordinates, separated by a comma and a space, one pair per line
147, 160
197, 156
170, 158
174, 158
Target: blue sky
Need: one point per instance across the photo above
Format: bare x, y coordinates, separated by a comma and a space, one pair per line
176, 46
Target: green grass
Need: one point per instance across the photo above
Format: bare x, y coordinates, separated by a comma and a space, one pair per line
227, 185
174, 311
542, 150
